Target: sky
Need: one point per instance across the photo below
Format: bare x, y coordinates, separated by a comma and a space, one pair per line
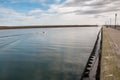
58, 12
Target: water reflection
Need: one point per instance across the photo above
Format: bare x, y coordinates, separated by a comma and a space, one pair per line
56, 54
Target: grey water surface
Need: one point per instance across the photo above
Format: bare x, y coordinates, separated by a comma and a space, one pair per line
45, 53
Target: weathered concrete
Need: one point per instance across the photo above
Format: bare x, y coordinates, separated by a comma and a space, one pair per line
114, 36
109, 61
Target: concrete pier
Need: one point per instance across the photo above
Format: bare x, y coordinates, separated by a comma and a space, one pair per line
110, 56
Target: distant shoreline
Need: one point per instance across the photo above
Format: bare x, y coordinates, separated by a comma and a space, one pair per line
44, 26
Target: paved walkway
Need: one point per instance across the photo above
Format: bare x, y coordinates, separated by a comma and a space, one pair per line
110, 54
114, 36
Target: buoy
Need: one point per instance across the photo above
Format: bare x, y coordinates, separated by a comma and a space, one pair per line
43, 32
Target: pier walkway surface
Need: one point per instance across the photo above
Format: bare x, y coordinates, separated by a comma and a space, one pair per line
110, 57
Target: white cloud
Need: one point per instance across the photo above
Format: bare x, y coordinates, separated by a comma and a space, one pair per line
60, 9
31, 1
93, 6
57, 1
10, 17
62, 14
35, 11
42, 0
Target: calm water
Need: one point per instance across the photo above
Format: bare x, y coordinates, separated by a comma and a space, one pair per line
45, 53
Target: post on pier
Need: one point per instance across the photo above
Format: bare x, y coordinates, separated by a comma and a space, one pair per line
115, 20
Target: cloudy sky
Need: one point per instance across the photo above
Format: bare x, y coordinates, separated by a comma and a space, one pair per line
53, 12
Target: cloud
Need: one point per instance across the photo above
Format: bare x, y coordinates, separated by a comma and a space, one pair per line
3, 2
94, 6
57, 1
11, 17
17, 1
95, 11
35, 11
42, 0
69, 12
59, 9
74, 3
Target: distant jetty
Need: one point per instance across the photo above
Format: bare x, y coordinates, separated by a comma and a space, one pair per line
44, 26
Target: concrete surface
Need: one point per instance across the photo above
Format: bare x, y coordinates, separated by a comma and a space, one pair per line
110, 54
